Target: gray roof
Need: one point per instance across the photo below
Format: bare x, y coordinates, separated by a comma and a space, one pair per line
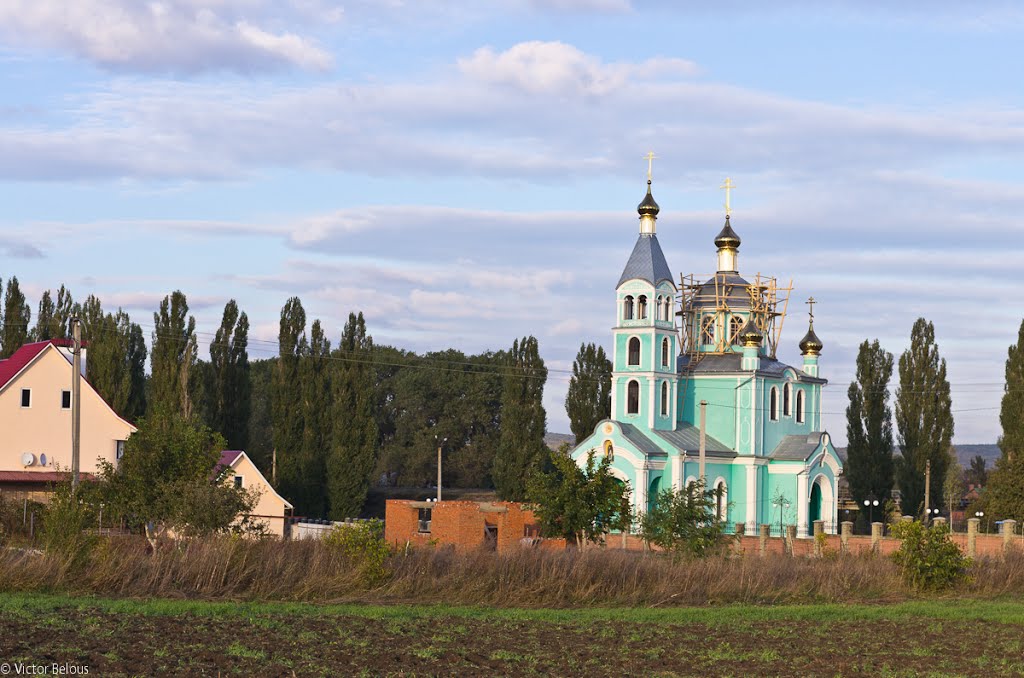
687, 438
640, 440
731, 362
723, 286
796, 448
647, 262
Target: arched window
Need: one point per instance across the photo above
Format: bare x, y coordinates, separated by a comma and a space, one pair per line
664, 398
641, 307
634, 351
799, 406
787, 400
633, 397
735, 325
664, 352
707, 330
657, 309
609, 450
627, 307
668, 309
721, 503
773, 405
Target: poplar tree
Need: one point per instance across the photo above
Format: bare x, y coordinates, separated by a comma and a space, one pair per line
923, 417
54, 318
354, 440
230, 400
1004, 493
316, 433
174, 356
869, 451
116, 357
287, 413
16, 318
589, 398
521, 444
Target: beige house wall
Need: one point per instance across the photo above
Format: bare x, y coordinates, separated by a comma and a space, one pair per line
45, 428
271, 508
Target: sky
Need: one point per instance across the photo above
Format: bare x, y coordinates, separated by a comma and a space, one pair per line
468, 173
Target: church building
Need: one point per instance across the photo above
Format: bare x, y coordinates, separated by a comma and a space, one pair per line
695, 360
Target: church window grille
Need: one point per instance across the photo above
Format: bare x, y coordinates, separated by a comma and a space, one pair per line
634, 351
633, 398
664, 398
799, 406
641, 307
735, 325
664, 352
627, 308
773, 405
707, 330
787, 400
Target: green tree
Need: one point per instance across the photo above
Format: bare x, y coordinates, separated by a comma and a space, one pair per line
924, 418
16, 318
927, 557
230, 400
521, 445
578, 504
953, 487
261, 421
354, 440
116, 358
316, 434
167, 479
683, 521
869, 452
1004, 494
54, 318
287, 411
589, 398
977, 473
174, 355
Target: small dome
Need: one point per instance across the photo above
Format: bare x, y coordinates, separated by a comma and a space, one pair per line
750, 335
810, 344
727, 237
648, 207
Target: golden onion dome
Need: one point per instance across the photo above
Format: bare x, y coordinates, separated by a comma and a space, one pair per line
727, 237
810, 344
750, 335
647, 206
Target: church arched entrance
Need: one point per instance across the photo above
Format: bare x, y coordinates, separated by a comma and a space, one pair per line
815, 512
652, 492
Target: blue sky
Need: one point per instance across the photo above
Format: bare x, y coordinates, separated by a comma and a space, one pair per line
468, 174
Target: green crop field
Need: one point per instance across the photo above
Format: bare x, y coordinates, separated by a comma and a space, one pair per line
150, 637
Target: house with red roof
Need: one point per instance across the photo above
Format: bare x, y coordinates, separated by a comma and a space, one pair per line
35, 420
272, 510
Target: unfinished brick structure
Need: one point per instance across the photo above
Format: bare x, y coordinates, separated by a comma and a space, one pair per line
465, 524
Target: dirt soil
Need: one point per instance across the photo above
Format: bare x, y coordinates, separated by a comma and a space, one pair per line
116, 644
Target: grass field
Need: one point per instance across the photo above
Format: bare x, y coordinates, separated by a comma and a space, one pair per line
152, 637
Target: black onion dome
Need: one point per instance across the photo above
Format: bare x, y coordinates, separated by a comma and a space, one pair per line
810, 344
750, 335
647, 206
727, 237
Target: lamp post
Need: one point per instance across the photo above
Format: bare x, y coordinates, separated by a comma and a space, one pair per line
979, 515
439, 446
871, 503
782, 503
932, 514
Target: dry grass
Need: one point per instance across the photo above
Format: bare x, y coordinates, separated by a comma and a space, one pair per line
234, 569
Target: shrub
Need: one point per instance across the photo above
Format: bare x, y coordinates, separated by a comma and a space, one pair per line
927, 558
684, 521
66, 522
363, 545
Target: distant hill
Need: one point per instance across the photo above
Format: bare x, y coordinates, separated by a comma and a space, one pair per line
555, 440
964, 454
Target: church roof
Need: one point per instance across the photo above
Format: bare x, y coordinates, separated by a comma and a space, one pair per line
647, 262
640, 440
731, 362
687, 438
796, 448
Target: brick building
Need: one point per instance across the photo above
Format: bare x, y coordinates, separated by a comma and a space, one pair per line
466, 524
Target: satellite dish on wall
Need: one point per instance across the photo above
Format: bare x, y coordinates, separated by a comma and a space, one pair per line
42, 459
28, 459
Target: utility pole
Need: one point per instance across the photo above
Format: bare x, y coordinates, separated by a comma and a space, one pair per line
703, 441
928, 492
439, 446
76, 402
273, 468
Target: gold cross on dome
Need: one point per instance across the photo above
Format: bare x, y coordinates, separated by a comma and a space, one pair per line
728, 186
810, 303
650, 163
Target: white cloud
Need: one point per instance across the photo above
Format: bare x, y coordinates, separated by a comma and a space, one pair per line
176, 36
557, 68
